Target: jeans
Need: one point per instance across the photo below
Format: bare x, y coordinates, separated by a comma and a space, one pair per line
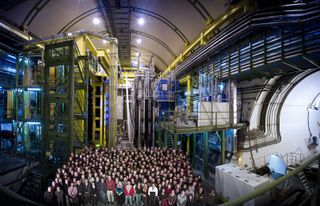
103, 197
110, 196
137, 199
128, 200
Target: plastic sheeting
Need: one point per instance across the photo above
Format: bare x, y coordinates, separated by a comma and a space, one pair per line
233, 182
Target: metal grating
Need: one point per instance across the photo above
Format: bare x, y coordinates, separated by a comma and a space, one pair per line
118, 17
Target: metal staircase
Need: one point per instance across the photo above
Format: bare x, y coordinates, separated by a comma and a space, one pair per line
170, 140
305, 183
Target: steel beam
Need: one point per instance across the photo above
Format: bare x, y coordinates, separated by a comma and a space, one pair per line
205, 155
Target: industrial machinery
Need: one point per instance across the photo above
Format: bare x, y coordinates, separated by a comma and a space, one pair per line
64, 87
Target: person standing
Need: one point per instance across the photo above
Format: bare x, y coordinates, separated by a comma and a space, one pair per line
87, 192
103, 191
119, 194
144, 196
137, 194
59, 197
80, 193
182, 199
172, 198
48, 197
65, 187
94, 194
190, 201
73, 193
110, 185
128, 193
153, 194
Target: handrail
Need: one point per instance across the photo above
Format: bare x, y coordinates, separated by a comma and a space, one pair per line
244, 25
231, 12
273, 184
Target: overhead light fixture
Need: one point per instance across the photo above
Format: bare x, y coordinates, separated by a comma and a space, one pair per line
96, 21
138, 41
104, 41
141, 21
137, 54
108, 50
69, 34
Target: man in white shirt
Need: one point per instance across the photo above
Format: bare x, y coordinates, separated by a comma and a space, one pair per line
153, 194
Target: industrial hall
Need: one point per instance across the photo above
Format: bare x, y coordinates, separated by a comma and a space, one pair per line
159, 102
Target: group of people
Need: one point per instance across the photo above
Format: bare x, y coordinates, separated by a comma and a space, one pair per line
119, 176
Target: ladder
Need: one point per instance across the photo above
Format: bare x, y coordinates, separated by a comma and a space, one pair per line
170, 141
305, 183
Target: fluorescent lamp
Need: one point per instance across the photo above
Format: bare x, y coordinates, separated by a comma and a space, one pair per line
34, 89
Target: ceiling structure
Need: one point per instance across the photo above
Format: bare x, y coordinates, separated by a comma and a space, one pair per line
169, 25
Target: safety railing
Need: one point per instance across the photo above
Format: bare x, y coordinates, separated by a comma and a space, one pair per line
277, 183
163, 96
173, 120
278, 42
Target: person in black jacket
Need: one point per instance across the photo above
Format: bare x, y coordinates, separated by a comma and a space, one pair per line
95, 194
59, 197
48, 196
103, 191
87, 187
190, 201
80, 193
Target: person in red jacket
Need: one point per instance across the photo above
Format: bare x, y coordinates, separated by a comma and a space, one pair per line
128, 193
111, 185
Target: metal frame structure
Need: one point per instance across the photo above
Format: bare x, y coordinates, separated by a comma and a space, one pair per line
73, 71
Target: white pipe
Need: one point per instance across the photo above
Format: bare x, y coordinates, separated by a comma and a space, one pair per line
128, 111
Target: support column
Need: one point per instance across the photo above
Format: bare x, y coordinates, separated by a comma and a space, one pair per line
205, 158
188, 145
189, 93
194, 141
175, 140
223, 146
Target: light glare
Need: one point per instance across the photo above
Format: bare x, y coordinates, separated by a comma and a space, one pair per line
96, 21
141, 21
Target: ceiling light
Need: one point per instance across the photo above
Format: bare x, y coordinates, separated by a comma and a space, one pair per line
137, 54
141, 21
138, 41
104, 41
69, 34
96, 21
108, 50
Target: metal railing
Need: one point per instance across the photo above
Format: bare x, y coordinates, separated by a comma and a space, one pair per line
274, 45
172, 120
